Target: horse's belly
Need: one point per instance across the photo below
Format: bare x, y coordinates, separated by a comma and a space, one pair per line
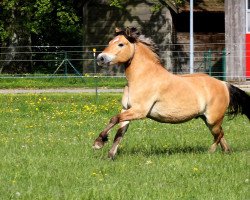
172, 115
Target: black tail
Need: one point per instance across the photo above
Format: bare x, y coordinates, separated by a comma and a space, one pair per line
239, 102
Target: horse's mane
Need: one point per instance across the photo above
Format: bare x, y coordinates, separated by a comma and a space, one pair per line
133, 35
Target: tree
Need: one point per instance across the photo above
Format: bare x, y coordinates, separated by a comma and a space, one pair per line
43, 22
36, 22
156, 7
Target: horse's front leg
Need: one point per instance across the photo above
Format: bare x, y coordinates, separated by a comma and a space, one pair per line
128, 115
103, 136
118, 137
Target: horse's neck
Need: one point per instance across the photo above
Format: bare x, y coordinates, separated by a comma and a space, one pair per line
143, 64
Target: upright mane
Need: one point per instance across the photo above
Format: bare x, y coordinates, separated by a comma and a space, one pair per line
133, 36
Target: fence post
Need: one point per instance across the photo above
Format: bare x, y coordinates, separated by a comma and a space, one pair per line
65, 64
95, 75
224, 64
210, 62
205, 61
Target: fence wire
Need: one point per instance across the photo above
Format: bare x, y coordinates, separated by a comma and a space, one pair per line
77, 61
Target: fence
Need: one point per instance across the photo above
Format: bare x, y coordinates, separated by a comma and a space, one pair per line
74, 61
46, 60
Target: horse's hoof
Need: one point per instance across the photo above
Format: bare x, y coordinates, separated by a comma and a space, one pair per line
111, 155
98, 144
227, 151
212, 148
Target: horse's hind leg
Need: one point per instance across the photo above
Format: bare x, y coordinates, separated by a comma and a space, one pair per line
224, 145
218, 134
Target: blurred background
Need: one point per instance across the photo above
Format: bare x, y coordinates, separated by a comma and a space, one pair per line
58, 37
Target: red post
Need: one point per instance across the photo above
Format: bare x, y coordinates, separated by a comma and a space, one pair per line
247, 55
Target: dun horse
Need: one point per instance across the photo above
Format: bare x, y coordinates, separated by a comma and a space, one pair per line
153, 92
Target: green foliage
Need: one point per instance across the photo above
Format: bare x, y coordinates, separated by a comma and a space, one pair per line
117, 3
45, 148
157, 4
178, 2
4, 34
42, 20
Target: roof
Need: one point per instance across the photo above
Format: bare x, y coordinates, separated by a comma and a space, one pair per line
199, 5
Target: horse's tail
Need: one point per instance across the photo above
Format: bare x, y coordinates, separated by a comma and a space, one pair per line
239, 102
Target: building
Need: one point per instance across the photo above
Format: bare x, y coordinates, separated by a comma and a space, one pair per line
209, 36
100, 21
220, 28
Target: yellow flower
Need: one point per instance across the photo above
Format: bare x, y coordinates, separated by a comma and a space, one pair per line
195, 169
149, 162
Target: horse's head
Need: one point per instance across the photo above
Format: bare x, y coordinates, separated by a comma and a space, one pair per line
120, 49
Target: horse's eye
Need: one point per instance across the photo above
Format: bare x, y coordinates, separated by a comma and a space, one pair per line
120, 45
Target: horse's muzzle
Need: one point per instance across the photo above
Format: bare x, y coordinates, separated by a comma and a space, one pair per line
104, 59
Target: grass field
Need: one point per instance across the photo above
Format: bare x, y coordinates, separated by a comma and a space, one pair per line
37, 82
45, 148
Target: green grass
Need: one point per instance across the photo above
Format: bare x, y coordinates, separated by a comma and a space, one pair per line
45, 148
61, 82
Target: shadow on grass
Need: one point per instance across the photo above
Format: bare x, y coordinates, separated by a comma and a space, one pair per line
165, 151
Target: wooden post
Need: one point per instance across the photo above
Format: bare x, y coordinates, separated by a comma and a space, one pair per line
235, 22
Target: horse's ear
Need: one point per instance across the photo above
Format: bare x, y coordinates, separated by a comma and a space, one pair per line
119, 31
128, 32
132, 34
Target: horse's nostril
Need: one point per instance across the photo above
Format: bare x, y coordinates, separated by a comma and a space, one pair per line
101, 58
104, 59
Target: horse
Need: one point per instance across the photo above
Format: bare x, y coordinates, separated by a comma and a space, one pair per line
155, 93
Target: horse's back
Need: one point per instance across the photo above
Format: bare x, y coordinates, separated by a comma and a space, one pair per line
193, 75
203, 81
209, 87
